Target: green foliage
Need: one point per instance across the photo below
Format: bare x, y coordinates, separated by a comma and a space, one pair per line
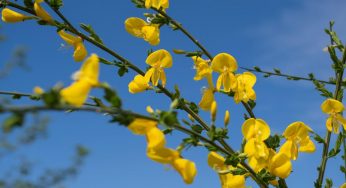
235, 159
318, 138
265, 175
336, 150
217, 133
29, 4
138, 3
168, 119
90, 30
321, 88
14, 121
329, 183
111, 96
51, 98
273, 141
123, 119
56, 4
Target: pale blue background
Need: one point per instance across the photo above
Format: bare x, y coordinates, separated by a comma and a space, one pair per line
271, 34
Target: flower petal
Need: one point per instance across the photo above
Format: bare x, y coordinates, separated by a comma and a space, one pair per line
141, 126
163, 155
187, 169
134, 26
160, 58
77, 93
331, 105
155, 138
207, 99
222, 61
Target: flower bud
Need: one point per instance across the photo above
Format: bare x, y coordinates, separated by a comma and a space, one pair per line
226, 119
213, 110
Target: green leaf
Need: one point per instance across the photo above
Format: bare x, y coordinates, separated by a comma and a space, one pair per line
16, 96
112, 97
239, 171
336, 150
90, 30
29, 4
273, 141
168, 118
193, 106
122, 70
235, 159
257, 69
318, 138
277, 71
15, 120
122, 119
197, 128
56, 4
51, 98
329, 183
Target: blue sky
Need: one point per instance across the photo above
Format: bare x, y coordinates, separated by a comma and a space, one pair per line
271, 34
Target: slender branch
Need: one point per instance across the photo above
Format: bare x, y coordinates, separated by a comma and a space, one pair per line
181, 28
288, 76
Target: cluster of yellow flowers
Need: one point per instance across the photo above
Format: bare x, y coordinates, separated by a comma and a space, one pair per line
157, 151
11, 16
224, 64
255, 131
85, 79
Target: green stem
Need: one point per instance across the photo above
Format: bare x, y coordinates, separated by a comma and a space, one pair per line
288, 76
322, 168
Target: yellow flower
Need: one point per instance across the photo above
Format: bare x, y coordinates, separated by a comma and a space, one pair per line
202, 68
77, 93
280, 165
86, 78
40, 12
256, 131
155, 138
186, 169
277, 164
225, 64
141, 29
334, 108
158, 60
11, 16
80, 51
138, 84
207, 99
298, 139
163, 155
244, 91
157, 4
141, 126
157, 151
343, 185
228, 180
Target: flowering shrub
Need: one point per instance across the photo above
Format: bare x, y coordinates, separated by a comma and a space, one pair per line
264, 157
